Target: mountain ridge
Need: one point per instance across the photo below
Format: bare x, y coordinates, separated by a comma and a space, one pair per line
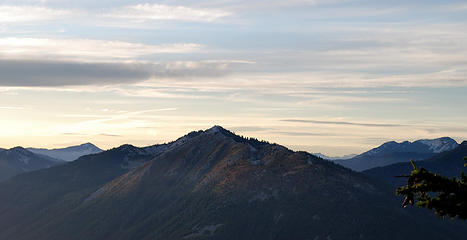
208, 184
343, 157
19, 160
449, 163
68, 153
394, 152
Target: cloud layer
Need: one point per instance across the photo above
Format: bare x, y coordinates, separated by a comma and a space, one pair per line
68, 73
150, 12
86, 50
343, 123
25, 13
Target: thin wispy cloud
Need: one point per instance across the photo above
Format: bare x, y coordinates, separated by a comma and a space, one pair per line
29, 13
109, 135
119, 115
89, 135
10, 108
74, 134
250, 129
86, 49
242, 6
122, 116
300, 134
344, 123
151, 12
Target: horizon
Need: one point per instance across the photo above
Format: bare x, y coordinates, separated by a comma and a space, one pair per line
335, 77
294, 148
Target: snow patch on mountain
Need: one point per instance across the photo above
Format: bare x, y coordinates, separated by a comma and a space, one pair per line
323, 156
440, 144
428, 145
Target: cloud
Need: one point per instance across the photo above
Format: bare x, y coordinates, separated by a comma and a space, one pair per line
250, 129
54, 73
242, 6
150, 12
448, 7
25, 73
71, 62
110, 135
21, 14
344, 123
10, 108
118, 115
300, 134
86, 49
85, 134
74, 134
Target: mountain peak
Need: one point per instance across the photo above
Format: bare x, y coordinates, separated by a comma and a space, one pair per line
88, 144
439, 144
343, 157
226, 133
394, 152
390, 143
436, 145
125, 147
68, 153
214, 130
85, 145
217, 129
17, 147
19, 160
20, 150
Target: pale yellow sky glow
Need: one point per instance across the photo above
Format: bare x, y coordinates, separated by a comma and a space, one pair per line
119, 120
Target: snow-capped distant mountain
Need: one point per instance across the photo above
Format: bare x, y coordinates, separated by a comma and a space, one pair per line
19, 160
323, 156
440, 144
394, 152
68, 153
449, 163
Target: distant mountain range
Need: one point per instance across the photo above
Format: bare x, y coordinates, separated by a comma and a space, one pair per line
449, 163
208, 184
393, 152
323, 156
68, 153
19, 160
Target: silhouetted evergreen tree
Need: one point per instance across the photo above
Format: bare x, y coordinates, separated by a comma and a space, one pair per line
445, 196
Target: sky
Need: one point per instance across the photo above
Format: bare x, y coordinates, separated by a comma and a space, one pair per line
331, 76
